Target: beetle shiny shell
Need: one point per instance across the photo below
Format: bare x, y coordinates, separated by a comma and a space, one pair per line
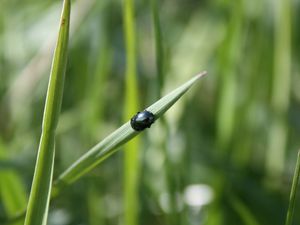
142, 120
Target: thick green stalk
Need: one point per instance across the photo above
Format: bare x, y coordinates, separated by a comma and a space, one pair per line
131, 164
37, 209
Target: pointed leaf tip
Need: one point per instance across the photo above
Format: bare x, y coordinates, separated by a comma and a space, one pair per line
202, 74
163, 104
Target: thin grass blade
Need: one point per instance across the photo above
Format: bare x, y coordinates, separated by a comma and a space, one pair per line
290, 212
159, 53
119, 137
242, 210
37, 209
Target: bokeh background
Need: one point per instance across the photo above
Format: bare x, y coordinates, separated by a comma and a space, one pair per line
225, 153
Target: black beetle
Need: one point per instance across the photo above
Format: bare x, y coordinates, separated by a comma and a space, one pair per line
142, 120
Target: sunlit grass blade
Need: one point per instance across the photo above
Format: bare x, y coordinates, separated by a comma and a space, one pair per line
290, 212
119, 137
131, 155
281, 89
37, 209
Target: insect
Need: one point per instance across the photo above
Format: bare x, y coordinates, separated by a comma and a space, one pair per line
142, 120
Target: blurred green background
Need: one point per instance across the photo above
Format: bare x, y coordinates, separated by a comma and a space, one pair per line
225, 153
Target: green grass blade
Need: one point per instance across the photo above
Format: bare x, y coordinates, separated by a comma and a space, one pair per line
37, 209
12, 192
119, 137
281, 88
242, 210
173, 216
159, 53
229, 58
290, 212
131, 156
